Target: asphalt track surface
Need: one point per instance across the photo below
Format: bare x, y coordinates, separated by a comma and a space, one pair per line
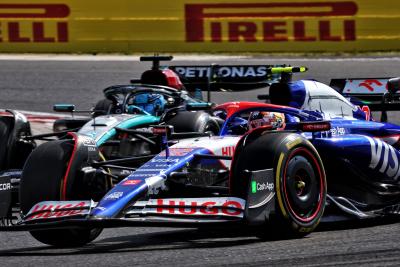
36, 85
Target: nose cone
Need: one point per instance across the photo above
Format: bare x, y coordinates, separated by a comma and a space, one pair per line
122, 195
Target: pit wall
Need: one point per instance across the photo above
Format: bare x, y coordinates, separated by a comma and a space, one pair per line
200, 26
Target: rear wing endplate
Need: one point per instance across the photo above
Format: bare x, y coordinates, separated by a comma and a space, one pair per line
380, 94
369, 89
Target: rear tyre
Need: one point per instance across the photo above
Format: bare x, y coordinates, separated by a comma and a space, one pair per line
300, 182
103, 107
42, 179
187, 121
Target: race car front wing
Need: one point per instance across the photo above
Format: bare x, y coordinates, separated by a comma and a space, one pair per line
168, 212
154, 212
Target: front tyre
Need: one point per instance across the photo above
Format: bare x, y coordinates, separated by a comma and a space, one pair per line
300, 182
42, 180
300, 189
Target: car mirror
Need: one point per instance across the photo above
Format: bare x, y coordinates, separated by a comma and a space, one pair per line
393, 85
64, 107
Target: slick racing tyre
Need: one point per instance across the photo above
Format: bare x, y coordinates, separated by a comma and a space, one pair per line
187, 121
300, 182
42, 180
103, 107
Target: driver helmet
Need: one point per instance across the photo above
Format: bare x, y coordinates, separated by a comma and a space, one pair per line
152, 103
266, 118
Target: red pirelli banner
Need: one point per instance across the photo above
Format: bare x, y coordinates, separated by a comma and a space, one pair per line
130, 26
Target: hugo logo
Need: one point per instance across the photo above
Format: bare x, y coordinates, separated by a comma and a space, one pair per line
183, 207
228, 151
56, 210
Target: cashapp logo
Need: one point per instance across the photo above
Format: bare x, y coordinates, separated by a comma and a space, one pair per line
271, 22
34, 23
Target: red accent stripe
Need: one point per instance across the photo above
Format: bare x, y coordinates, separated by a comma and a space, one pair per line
231, 168
5, 114
35, 118
63, 190
303, 150
259, 129
388, 136
44, 117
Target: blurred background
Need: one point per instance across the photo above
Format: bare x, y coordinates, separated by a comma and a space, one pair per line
198, 26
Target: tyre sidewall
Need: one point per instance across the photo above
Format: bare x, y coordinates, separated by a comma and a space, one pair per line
291, 146
43, 180
272, 150
189, 121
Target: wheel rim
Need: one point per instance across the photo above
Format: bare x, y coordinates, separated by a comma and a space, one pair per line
300, 185
303, 185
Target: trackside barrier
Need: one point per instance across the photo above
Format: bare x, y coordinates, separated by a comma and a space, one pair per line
128, 26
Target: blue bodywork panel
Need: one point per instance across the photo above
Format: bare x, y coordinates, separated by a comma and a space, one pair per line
361, 156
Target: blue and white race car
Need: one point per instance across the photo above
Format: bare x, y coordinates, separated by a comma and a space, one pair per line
277, 168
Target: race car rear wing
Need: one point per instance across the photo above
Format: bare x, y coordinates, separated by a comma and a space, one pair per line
217, 77
379, 94
226, 77
231, 78
369, 89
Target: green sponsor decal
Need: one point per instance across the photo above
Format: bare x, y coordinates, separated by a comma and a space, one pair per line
254, 187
